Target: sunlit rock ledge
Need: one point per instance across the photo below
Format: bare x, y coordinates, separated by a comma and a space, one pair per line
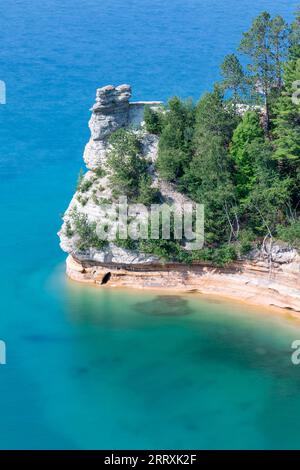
251, 281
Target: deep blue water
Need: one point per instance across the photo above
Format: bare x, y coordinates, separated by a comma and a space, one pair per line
91, 369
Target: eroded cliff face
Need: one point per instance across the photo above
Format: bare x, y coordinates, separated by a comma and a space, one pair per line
111, 111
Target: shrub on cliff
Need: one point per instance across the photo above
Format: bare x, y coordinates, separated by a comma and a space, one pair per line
85, 232
129, 169
218, 256
147, 194
153, 120
246, 241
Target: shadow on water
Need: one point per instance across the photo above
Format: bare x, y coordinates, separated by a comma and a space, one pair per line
165, 305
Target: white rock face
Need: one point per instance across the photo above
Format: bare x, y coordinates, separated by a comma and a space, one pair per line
95, 154
113, 254
111, 111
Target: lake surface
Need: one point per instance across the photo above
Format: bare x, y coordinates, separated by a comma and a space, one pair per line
114, 369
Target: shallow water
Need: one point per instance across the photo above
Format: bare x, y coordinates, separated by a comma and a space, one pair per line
92, 368
106, 368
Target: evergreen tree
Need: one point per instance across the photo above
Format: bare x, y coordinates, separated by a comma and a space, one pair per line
287, 121
153, 120
208, 179
126, 163
267, 204
265, 44
279, 44
294, 36
175, 143
233, 78
213, 118
241, 149
209, 182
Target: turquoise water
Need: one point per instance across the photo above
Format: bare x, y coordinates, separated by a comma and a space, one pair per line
104, 369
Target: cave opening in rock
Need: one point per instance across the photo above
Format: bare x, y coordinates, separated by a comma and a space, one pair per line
106, 278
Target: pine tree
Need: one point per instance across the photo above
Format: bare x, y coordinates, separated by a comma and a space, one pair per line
287, 121
241, 149
213, 118
233, 78
265, 43
279, 44
174, 151
294, 36
208, 179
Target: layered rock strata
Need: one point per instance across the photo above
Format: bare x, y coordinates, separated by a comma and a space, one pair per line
251, 281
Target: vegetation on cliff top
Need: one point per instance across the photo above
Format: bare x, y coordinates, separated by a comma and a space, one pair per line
238, 149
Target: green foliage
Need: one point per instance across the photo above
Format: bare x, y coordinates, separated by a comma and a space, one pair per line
241, 150
127, 244
171, 163
290, 233
213, 119
129, 169
175, 144
85, 185
234, 79
85, 233
126, 163
153, 120
294, 36
279, 46
246, 241
221, 256
168, 250
147, 195
82, 199
287, 120
224, 255
266, 45
208, 179
100, 172
69, 232
267, 204
210, 184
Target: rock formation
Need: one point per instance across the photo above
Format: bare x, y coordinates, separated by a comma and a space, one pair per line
111, 111
263, 278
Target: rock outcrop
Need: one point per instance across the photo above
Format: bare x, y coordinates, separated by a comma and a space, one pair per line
266, 277
111, 111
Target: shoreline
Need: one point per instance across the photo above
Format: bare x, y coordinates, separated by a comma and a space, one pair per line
258, 309
248, 282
